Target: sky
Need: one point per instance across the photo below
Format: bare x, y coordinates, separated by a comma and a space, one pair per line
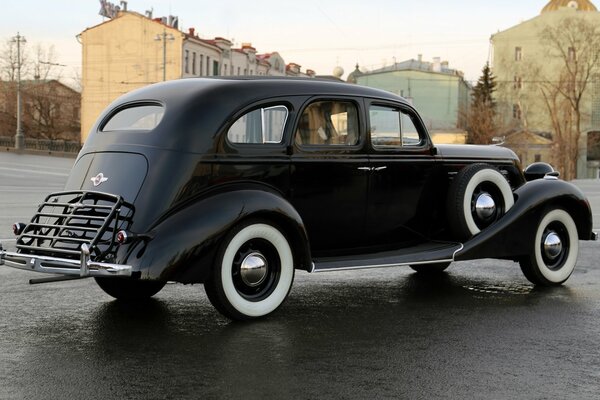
317, 34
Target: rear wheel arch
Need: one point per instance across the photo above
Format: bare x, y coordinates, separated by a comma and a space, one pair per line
292, 229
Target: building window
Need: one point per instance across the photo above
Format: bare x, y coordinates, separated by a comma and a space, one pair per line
231, 71
194, 63
518, 54
225, 69
207, 66
595, 95
215, 68
201, 63
537, 158
518, 83
516, 111
572, 54
187, 62
239, 71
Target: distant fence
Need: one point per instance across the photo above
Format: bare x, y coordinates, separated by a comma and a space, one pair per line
43, 145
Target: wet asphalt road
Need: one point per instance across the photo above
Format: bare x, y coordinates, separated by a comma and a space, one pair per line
479, 331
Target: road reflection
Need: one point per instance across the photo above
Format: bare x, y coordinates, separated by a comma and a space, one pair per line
335, 337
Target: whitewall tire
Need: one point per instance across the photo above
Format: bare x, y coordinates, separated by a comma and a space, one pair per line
253, 273
555, 250
478, 196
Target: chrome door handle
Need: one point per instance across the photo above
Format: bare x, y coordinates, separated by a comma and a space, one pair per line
379, 168
364, 168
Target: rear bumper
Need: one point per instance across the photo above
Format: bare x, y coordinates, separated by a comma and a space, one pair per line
52, 265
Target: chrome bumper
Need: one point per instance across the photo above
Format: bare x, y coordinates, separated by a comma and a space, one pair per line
52, 265
594, 235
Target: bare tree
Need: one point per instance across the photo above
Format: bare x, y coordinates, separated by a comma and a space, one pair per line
573, 46
9, 60
51, 110
44, 63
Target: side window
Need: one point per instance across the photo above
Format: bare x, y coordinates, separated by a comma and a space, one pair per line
328, 123
264, 125
392, 127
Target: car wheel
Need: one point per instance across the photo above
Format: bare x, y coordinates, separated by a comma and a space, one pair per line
253, 273
427, 269
554, 253
128, 289
478, 196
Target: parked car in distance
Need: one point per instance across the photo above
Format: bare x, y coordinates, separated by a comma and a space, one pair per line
237, 183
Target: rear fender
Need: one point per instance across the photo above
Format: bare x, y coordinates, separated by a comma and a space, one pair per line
512, 235
182, 247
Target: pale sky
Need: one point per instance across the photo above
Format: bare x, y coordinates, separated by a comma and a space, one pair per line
317, 34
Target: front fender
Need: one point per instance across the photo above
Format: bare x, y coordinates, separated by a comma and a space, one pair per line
512, 235
183, 246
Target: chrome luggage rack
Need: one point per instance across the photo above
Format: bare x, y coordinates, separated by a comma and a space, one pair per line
73, 233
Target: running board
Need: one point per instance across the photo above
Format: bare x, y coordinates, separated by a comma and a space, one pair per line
428, 253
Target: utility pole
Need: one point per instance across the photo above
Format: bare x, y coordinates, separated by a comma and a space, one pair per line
164, 37
19, 137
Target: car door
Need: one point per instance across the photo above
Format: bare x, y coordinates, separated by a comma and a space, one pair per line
403, 188
329, 174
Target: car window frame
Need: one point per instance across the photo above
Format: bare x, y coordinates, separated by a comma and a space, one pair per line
426, 143
239, 147
335, 149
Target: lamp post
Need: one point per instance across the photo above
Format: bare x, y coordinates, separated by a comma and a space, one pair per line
19, 137
164, 37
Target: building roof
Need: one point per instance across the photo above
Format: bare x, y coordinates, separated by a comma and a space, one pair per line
354, 74
417, 65
580, 5
525, 137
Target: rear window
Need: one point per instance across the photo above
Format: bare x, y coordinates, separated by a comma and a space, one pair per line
144, 117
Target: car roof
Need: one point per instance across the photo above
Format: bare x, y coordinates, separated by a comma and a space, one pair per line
198, 108
247, 89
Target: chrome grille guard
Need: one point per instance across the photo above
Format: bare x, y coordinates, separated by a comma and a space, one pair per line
73, 233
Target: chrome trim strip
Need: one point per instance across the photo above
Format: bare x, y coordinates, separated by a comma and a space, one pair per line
314, 269
52, 265
594, 235
462, 246
380, 266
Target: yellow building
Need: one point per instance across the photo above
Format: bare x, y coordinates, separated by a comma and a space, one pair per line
132, 50
524, 61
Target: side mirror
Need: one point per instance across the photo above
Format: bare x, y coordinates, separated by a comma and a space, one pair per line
540, 170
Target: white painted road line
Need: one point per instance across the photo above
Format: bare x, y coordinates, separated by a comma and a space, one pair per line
34, 171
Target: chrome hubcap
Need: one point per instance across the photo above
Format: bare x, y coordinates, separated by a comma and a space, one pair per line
552, 245
485, 206
253, 269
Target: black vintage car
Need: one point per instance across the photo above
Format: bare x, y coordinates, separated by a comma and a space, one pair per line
236, 183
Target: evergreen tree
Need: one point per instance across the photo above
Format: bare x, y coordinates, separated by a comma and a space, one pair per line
481, 119
485, 88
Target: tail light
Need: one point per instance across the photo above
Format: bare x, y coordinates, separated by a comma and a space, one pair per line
18, 228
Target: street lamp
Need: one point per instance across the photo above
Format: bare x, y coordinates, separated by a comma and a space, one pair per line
19, 137
164, 37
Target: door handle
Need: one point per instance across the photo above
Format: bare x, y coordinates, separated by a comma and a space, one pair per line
372, 168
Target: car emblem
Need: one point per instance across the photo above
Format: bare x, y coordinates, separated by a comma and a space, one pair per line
98, 179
